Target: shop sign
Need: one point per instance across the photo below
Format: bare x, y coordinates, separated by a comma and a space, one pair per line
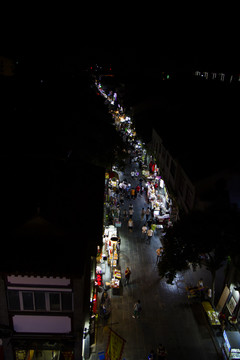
99, 279
95, 304
115, 346
227, 341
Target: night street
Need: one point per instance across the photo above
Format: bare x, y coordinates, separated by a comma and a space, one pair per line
168, 316
119, 206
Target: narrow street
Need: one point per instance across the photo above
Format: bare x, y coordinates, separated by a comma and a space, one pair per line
168, 316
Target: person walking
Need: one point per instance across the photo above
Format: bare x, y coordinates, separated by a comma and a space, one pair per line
132, 193
149, 234
161, 352
144, 231
130, 212
147, 213
159, 252
137, 309
149, 222
151, 355
137, 190
130, 225
127, 275
142, 213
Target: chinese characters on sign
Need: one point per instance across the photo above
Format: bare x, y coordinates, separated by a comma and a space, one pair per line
115, 346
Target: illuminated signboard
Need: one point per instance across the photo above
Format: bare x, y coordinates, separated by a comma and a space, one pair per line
227, 341
99, 279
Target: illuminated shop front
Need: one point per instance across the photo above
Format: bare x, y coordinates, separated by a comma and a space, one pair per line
231, 345
107, 266
43, 355
228, 300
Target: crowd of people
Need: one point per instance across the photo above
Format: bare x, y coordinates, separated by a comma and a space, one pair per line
125, 204
122, 195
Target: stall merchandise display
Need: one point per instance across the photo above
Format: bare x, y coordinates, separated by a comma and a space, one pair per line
211, 313
116, 282
117, 274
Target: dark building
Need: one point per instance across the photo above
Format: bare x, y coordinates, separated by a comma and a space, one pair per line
52, 193
194, 118
52, 228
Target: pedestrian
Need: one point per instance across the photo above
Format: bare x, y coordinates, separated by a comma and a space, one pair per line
159, 253
137, 190
121, 199
130, 212
144, 231
149, 234
130, 225
200, 283
147, 213
137, 309
151, 355
127, 275
152, 212
132, 174
132, 193
149, 222
201, 289
161, 352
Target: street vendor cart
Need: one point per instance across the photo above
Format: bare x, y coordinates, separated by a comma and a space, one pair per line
194, 291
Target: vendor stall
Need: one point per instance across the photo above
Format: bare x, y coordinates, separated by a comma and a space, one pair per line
116, 282
231, 345
212, 315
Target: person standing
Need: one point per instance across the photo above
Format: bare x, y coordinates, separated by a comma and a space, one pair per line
127, 275
130, 224
149, 234
130, 212
201, 289
137, 309
147, 213
161, 352
158, 251
200, 283
132, 193
144, 231
137, 190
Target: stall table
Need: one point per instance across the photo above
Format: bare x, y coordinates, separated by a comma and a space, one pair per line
211, 313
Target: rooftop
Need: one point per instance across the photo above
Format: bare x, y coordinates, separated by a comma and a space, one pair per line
51, 215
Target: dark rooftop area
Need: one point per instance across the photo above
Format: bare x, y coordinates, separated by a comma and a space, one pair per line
196, 121
52, 212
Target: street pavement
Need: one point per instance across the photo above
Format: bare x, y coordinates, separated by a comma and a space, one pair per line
168, 316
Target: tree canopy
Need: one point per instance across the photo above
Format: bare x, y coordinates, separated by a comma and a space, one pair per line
200, 238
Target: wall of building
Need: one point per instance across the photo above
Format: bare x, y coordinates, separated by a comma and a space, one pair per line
173, 174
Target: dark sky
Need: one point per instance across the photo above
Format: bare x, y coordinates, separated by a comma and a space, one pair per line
144, 57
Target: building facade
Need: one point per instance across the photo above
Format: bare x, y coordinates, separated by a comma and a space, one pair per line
174, 175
